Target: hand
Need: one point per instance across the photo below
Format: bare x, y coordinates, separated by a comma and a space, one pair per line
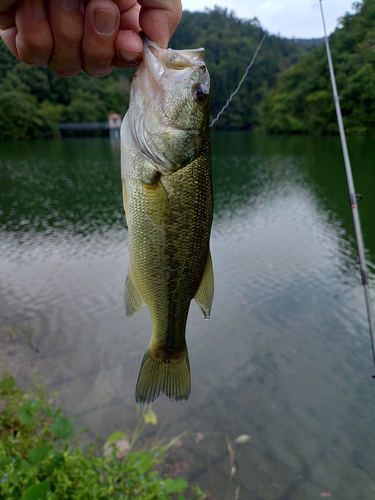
88, 35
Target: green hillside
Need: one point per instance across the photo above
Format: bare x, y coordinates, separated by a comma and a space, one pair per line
34, 100
302, 100
230, 44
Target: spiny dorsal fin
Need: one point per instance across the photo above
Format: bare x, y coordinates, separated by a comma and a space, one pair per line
133, 300
157, 376
205, 292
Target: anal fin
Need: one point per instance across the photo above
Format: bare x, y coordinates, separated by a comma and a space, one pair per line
133, 299
205, 292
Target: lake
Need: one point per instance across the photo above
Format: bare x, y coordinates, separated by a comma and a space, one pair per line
286, 355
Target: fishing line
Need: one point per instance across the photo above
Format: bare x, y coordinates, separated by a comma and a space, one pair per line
240, 82
353, 197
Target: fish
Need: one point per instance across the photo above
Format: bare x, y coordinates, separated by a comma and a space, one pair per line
168, 201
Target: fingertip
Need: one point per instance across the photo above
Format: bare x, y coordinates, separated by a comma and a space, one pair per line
66, 22
126, 60
96, 69
34, 40
9, 38
102, 17
34, 51
102, 21
64, 72
159, 24
106, 21
129, 49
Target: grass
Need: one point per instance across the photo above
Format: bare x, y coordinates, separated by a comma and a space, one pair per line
41, 458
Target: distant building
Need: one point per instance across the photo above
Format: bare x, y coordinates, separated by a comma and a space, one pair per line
114, 125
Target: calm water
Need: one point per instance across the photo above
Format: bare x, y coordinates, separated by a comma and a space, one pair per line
286, 355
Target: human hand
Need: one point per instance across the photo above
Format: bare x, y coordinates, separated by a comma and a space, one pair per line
88, 35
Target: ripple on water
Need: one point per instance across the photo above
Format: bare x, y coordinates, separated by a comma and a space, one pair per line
285, 355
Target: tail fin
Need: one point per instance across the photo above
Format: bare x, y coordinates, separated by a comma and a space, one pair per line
157, 376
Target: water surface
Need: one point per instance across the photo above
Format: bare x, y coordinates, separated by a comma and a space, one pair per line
286, 355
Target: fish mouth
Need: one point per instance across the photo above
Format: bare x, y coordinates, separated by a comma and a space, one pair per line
169, 105
184, 63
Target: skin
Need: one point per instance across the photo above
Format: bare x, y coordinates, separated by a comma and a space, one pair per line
88, 35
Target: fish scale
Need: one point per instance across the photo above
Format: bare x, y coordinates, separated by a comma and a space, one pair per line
168, 201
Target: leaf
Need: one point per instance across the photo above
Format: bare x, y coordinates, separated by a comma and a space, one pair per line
39, 454
115, 436
143, 461
25, 414
7, 385
26, 411
24, 464
53, 462
37, 491
244, 438
150, 418
175, 485
62, 428
5, 461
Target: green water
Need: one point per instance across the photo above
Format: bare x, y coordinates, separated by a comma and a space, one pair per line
286, 355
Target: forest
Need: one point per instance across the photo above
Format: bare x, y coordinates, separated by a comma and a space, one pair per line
34, 100
287, 90
302, 100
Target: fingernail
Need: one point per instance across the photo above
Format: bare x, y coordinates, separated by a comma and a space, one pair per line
39, 8
70, 4
105, 21
130, 57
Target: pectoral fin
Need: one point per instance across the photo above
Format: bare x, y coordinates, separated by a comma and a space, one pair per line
157, 206
205, 292
133, 300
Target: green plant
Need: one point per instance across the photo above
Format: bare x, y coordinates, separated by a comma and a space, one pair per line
40, 457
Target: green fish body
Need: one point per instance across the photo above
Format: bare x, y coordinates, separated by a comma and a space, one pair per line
167, 191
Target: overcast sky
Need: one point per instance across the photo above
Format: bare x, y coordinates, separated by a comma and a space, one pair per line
289, 18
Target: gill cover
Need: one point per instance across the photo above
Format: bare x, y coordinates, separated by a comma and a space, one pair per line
170, 94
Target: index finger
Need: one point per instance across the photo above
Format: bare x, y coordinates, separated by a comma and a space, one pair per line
159, 19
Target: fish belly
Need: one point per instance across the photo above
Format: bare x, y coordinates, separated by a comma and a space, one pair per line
169, 219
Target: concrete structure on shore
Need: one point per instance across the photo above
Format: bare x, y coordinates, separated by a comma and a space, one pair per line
113, 125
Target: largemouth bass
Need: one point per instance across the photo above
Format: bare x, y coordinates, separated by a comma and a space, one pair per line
167, 192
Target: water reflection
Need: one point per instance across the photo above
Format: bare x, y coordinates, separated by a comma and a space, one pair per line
286, 354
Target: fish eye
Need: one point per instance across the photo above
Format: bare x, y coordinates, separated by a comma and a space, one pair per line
200, 92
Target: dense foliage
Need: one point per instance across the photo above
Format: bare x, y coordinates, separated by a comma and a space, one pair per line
302, 101
34, 100
40, 458
230, 44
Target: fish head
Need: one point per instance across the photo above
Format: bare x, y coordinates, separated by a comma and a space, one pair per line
169, 110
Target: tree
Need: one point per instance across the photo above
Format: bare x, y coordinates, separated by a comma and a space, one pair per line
302, 100
22, 119
229, 43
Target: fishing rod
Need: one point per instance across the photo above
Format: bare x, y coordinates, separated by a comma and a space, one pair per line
352, 195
